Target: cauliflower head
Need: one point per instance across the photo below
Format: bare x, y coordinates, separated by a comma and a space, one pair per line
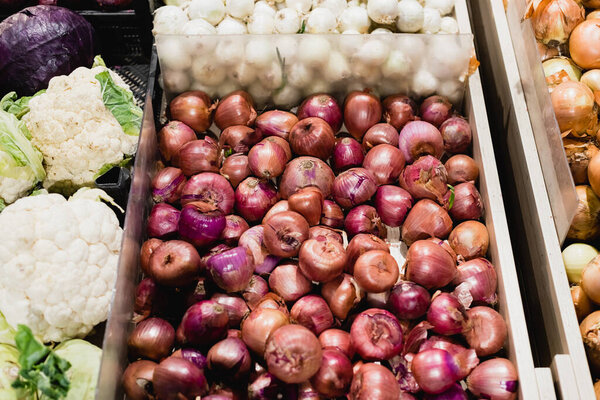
75, 131
58, 264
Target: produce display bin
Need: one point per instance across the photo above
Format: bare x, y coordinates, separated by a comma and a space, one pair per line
537, 185
533, 384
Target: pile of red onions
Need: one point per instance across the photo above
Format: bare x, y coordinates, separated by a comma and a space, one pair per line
267, 275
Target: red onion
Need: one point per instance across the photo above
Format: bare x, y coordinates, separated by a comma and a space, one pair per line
237, 108
360, 244
455, 392
429, 265
398, 110
470, 239
409, 300
196, 293
364, 219
145, 293
332, 215
461, 168
288, 282
385, 162
175, 378
218, 249
283, 143
238, 139
435, 370
446, 314
392, 204
267, 159
211, 189
229, 359
380, 134
232, 269
198, 227
152, 338
316, 231
353, 187
362, 110
280, 206
456, 133
146, 251
313, 313
347, 153
486, 331
275, 123
194, 109
312, 137
167, 185
293, 354
342, 294
260, 325
266, 387
322, 259
308, 202
323, 106
425, 179
235, 226
335, 374
306, 171
376, 271
203, 324
174, 263
478, 276
171, 137
496, 378
199, 156
306, 391
376, 335
253, 198
419, 138
137, 380
253, 241
374, 382
467, 202
191, 355
255, 291
400, 366
435, 110
425, 220
284, 233
273, 301
337, 339
235, 168
163, 221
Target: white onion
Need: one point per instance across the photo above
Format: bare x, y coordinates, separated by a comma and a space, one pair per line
321, 20
241, 9
212, 11
288, 48
260, 52
302, 6
431, 20
576, 256
259, 93
169, 20
229, 51
242, 73
410, 16
231, 26
207, 71
381, 31
349, 43
314, 50
174, 55
424, 83
271, 76
337, 67
397, 65
365, 72
211, 91
448, 25
299, 75
176, 81
354, 18
452, 89
287, 20
443, 6
198, 27
261, 23
317, 86
383, 11
447, 57
373, 52
263, 7
287, 97
226, 87
336, 6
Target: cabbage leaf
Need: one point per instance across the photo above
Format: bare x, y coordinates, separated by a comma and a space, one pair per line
17, 106
121, 104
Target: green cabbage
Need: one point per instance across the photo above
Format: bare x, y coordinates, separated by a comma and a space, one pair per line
85, 365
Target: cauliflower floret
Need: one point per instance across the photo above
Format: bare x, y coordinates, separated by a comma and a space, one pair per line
76, 133
58, 266
12, 189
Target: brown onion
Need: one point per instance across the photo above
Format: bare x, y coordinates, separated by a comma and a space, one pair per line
312, 137
338, 339
342, 294
485, 331
308, 202
554, 20
332, 214
385, 162
584, 44
280, 206
137, 380
374, 382
284, 233
359, 245
426, 219
255, 291
470, 239
171, 137
546, 52
199, 156
146, 251
313, 313
376, 271
237, 108
267, 159
194, 109
420, 138
274, 302
461, 168
585, 225
238, 139
593, 174
398, 110
590, 280
306, 171
575, 108
322, 259
362, 110
288, 281
259, 325
590, 333
276, 123
582, 303
579, 155
429, 265
381, 133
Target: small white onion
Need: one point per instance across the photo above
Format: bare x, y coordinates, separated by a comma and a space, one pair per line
373, 52
212, 11
317, 86
576, 256
337, 67
174, 55
226, 87
314, 50
354, 18
271, 77
410, 16
453, 90
198, 27
241, 9
381, 31
260, 94
383, 11
211, 91
178, 3
229, 51
299, 75
336, 6
443, 6
263, 7
431, 20
448, 25
287, 20
397, 65
349, 43
365, 72
231, 26
260, 52
207, 71
424, 83
287, 97
320, 20
302, 6
176, 81
288, 48
260, 23
242, 73
447, 58
169, 20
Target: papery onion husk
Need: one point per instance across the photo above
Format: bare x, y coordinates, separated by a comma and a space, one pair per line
585, 226
584, 44
253, 240
575, 108
546, 52
238, 139
306, 171
426, 219
479, 277
342, 294
560, 69
579, 155
429, 265
554, 20
426, 178
266, 386
496, 378
354, 187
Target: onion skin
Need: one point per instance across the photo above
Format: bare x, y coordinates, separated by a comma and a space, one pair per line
259, 325
354, 187
470, 239
323, 106
230, 359
486, 330
374, 382
211, 189
362, 110
385, 162
255, 291
429, 265
376, 335
235, 226
435, 370
145, 294
312, 137
360, 244
419, 138
319, 230
293, 354
167, 185
579, 155
381, 133
342, 294
175, 378
426, 178
203, 324
313, 313
582, 303
393, 204
253, 240
553, 21
461, 168
575, 108
194, 109
398, 110
409, 300
238, 139
457, 136
235, 307
496, 378
308, 202
275, 123
585, 226
455, 392
232, 269
280, 206
446, 314
593, 173
584, 44
322, 259
253, 198
267, 159
425, 220
376, 271
435, 110
152, 338
198, 227
237, 108
288, 282
335, 375
266, 386
347, 153
284, 233
332, 215
146, 251
306, 171
137, 380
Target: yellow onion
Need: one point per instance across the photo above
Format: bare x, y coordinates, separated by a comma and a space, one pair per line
585, 225
592, 79
576, 256
582, 303
594, 14
560, 69
584, 45
591, 3
554, 20
579, 155
590, 333
590, 280
546, 52
593, 173
575, 108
